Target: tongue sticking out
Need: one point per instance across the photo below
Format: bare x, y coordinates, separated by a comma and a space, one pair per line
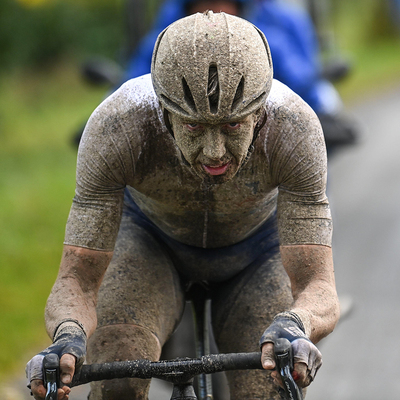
216, 170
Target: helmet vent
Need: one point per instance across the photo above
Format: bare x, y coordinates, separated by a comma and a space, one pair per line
238, 99
188, 96
257, 101
169, 104
213, 88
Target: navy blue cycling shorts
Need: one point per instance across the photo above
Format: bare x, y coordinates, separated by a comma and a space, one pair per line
210, 264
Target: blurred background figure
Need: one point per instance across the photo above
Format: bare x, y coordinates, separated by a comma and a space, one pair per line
295, 46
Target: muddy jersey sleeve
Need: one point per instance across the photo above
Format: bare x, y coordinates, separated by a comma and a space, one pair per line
297, 156
106, 159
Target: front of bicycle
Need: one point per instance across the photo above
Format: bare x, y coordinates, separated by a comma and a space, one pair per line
180, 371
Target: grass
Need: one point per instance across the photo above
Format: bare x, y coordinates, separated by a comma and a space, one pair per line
375, 68
366, 37
39, 112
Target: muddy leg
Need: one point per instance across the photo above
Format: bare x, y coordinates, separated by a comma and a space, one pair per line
242, 309
140, 303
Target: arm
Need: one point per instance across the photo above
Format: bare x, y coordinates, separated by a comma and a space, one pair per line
311, 273
105, 159
298, 165
75, 291
73, 298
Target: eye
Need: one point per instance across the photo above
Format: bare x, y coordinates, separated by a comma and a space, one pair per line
193, 126
233, 125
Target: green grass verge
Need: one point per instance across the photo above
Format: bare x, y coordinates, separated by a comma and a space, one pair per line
365, 34
39, 113
375, 68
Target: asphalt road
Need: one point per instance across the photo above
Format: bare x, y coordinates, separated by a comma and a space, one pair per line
361, 357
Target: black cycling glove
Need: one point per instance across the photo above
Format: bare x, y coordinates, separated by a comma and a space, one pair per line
288, 325
69, 339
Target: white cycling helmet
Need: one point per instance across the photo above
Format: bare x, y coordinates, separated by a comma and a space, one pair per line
212, 67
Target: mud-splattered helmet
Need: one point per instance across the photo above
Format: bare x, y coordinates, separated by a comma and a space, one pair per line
212, 67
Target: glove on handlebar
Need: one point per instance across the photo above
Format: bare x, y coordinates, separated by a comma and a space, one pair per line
286, 325
69, 339
289, 325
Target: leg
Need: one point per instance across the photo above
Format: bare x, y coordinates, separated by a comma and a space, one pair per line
140, 303
243, 307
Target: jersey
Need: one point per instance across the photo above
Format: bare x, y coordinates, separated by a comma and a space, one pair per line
127, 145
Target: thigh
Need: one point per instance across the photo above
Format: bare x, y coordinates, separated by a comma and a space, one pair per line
243, 308
141, 285
140, 303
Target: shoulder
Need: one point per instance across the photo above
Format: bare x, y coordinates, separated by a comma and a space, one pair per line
284, 104
292, 131
134, 104
126, 119
281, 95
135, 94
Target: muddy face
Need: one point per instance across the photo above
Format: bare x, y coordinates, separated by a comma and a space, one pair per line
214, 151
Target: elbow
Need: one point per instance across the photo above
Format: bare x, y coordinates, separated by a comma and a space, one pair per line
327, 321
333, 316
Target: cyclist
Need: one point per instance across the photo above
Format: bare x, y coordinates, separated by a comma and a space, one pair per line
207, 170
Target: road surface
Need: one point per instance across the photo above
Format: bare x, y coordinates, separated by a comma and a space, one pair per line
361, 358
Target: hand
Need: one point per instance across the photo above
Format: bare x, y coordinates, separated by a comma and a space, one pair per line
67, 369
70, 345
307, 358
307, 361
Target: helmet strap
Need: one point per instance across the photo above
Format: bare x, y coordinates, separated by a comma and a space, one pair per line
167, 122
260, 124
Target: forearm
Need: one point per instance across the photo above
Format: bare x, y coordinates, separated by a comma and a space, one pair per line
311, 272
74, 293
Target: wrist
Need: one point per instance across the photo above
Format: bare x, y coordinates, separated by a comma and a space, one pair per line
69, 338
290, 316
305, 317
67, 323
286, 325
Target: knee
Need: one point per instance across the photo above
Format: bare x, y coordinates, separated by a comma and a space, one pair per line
251, 385
122, 342
123, 389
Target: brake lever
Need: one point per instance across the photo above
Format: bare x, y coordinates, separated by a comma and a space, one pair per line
284, 363
51, 375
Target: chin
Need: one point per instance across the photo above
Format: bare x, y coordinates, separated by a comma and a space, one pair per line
217, 180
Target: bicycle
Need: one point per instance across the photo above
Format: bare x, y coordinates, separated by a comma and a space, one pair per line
181, 371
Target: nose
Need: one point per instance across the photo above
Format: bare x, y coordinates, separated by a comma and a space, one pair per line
214, 145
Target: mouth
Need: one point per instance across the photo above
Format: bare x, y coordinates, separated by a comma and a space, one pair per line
217, 170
